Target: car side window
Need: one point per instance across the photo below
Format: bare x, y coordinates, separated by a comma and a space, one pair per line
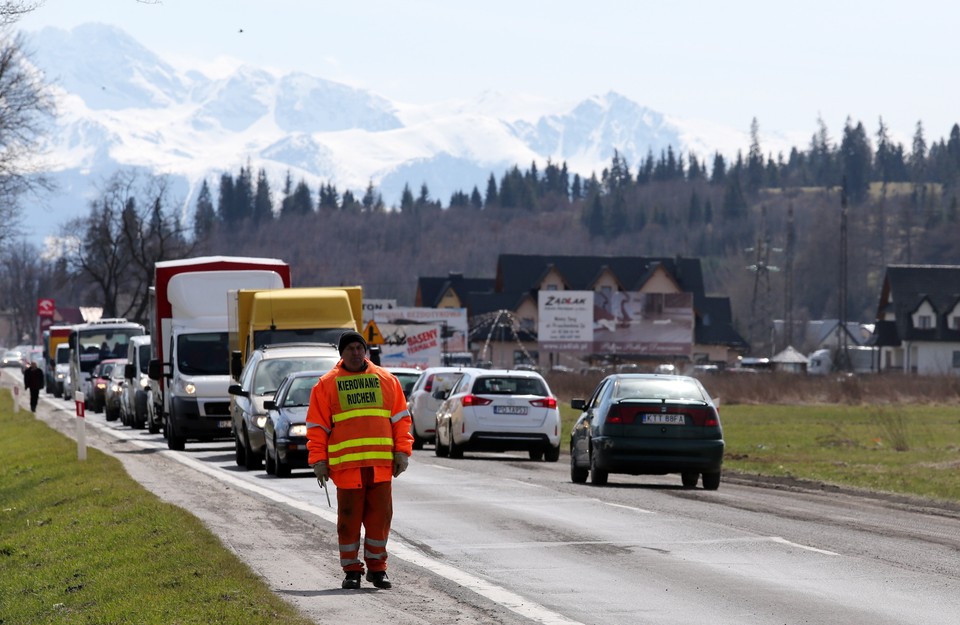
597, 394
246, 378
461, 385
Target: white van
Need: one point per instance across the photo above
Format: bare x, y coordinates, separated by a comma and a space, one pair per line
133, 402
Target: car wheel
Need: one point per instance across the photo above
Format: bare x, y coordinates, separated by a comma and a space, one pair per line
578, 475
440, 450
269, 464
454, 450
689, 479
111, 415
598, 477
552, 454
711, 481
153, 421
252, 461
281, 469
174, 442
239, 451
536, 454
140, 410
417, 442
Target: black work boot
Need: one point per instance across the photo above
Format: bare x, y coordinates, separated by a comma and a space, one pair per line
352, 580
379, 579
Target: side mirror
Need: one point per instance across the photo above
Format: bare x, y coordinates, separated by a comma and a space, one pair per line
408, 387
153, 369
236, 389
235, 366
578, 404
129, 370
269, 405
441, 394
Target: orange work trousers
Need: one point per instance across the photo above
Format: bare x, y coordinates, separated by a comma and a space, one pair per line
370, 506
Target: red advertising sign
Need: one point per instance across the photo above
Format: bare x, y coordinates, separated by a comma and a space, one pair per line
45, 307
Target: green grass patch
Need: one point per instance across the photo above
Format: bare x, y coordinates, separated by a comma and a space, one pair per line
82, 542
904, 449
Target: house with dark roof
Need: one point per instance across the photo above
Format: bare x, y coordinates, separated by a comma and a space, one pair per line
511, 297
918, 320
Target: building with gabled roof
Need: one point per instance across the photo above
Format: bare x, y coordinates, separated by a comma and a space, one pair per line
513, 294
918, 320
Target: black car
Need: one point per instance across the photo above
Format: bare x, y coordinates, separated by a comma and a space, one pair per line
285, 429
647, 424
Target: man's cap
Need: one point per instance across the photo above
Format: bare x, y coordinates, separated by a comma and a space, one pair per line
350, 336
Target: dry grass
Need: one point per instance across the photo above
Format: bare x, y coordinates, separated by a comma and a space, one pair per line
784, 388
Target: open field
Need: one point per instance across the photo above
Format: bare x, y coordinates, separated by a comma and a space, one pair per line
82, 542
896, 434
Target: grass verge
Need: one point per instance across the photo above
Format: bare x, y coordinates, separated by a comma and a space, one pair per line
82, 542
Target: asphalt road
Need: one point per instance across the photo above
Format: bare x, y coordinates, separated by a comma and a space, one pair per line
496, 538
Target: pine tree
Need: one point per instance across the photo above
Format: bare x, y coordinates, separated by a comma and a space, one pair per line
719, 173
262, 203
855, 155
205, 216
476, 200
226, 204
492, 197
407, 205
755, 169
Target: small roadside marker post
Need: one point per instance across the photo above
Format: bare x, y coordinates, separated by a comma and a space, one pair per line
16, 398
81, 427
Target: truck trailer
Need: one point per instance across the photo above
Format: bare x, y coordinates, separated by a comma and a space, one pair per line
190, 356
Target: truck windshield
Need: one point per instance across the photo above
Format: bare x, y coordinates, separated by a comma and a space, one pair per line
205, 353
63, 356
102, 343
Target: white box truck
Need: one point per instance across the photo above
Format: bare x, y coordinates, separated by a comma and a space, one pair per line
190, 364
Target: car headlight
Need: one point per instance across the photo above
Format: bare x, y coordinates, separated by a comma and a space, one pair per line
298, 430
101, 385
116, 388
59, 376
261, 421
144, 383
187, 388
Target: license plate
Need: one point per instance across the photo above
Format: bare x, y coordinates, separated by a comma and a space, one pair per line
509, 410
664, 419
223, 425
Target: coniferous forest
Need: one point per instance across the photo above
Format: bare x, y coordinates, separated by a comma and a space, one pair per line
766, 227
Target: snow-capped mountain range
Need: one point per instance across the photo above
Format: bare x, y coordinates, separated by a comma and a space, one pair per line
120, 105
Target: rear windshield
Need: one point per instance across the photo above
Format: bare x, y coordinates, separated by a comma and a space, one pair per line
505, 385
657, 389
271, 372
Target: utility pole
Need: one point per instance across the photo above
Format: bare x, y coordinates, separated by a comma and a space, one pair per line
761, 318
843, 357
788, 278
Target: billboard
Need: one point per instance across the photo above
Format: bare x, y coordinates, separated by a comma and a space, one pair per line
452, 321
648, 324
410, 345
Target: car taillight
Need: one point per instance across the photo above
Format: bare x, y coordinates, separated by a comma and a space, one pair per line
428, 387
544, 402
705, 417
622, 416
473, 400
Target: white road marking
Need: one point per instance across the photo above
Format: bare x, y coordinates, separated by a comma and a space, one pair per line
620, 505
784, 541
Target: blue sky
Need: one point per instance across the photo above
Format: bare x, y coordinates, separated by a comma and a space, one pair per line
727, 62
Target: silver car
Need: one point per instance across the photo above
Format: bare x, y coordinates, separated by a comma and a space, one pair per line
425, 399
259, 380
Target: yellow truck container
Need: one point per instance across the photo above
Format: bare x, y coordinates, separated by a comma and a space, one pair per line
296, 315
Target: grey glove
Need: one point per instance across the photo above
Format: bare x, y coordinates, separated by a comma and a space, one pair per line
400, 462
321, 470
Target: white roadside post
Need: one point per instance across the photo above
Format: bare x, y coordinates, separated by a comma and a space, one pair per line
16, 397
81, 427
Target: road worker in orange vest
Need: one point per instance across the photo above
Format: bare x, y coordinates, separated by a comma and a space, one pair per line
358, 435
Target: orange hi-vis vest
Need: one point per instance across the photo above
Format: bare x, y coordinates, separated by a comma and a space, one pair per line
358, 419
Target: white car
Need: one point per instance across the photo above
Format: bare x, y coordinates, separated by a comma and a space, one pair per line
499, 410
426, 397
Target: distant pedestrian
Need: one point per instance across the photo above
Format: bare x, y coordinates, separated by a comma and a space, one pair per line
358, 435
33, 381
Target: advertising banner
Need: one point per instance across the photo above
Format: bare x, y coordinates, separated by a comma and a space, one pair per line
410, 345
452, 321
565, 320
641, 324
370, 306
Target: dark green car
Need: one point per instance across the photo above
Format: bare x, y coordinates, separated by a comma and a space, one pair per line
647, 424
